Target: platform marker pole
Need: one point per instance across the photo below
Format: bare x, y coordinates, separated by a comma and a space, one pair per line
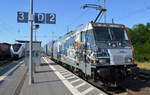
31, 19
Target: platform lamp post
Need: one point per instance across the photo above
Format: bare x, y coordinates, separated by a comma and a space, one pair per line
35, 27
31, 19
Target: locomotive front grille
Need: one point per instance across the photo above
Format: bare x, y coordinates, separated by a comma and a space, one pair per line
116, 60
120, 56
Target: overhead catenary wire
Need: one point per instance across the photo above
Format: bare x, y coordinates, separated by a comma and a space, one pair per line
135, 12
80, 16
6, 26
7, 29
105, 15
76, 19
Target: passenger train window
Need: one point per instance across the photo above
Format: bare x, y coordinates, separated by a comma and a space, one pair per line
16, 47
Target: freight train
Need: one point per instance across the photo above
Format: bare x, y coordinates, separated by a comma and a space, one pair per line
5, 51
97, 51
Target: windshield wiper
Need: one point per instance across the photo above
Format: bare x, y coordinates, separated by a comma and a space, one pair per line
110, 34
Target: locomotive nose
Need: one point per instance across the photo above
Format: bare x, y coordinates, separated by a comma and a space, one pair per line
120, 56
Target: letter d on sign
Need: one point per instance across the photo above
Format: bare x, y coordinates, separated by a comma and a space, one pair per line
39, 18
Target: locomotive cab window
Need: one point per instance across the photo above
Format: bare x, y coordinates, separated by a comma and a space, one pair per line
118, 34
16, 47
107, 33
101, 34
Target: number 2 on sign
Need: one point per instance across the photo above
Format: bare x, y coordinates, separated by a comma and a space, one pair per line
52, 17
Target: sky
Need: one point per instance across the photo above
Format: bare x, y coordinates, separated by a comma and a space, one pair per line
69, 15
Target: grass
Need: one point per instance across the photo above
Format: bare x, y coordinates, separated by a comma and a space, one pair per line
143, 65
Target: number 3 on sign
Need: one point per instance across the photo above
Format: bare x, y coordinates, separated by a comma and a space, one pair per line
22, 17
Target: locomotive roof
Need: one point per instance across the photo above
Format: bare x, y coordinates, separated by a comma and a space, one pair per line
84, 27
88, 26
25, 41
108, 25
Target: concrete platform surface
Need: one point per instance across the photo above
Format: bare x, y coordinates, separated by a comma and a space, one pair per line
10, 80
45, 83
52, 79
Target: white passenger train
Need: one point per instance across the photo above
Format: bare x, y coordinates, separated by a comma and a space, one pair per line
17, 50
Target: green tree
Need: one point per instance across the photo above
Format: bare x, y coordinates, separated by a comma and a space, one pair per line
140, 36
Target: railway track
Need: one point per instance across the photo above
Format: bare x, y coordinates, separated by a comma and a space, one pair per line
144, 76
138, 86
4, 62
120, 90
129, 89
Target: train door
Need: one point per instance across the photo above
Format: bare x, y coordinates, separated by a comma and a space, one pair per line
85, 64
59, 51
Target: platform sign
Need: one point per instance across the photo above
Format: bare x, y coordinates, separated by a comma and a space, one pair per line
39, 18
42, 18
22, 17
51, 18
48, 18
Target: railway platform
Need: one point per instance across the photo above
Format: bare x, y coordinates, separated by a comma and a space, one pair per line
11, 76
52, 79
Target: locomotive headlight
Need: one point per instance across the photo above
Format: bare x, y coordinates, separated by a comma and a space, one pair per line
102, 60
102, 52
128, 60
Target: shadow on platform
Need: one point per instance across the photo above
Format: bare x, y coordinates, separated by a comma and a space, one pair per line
46, 64
41, 82
44, 71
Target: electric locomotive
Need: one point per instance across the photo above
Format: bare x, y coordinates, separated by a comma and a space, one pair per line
96, 51
100, 51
